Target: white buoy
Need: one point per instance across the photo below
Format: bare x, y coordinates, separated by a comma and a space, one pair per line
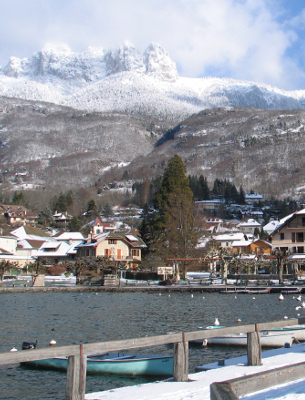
298, 314
216, 322
203, 297
239, 320
285, 317
192, 295
235, 297
281, 297
13, 349
253, 298
303, 304
53, 343
299, 298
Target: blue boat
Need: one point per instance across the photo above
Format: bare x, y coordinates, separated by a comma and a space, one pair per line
113, 363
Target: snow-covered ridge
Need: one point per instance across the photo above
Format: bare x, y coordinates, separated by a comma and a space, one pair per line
123, 79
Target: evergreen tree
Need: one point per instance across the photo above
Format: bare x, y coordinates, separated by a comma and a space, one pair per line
61, 205
75, 225
107, 211
173, 226
91, 208
45, 217
204, 192
18, 199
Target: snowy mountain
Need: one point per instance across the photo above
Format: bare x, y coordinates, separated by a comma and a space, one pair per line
127, 81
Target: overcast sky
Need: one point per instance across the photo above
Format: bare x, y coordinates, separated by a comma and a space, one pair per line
259, 40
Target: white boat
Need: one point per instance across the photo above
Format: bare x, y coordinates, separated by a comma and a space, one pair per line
267, 338
297, 331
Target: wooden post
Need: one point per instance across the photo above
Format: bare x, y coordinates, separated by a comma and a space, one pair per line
181, 360
254, 348
76, 376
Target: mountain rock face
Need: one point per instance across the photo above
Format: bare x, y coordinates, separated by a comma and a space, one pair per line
127, 81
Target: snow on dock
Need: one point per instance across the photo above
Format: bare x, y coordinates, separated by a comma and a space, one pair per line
198, 386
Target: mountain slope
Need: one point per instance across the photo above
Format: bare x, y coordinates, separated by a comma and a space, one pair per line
258, 149
53, 145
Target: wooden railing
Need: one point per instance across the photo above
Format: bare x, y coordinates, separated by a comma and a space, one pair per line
77, 354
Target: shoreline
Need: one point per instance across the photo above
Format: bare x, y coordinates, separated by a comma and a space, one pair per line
162, 289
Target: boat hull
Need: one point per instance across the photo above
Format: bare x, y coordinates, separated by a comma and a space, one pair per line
124, 365
266, 339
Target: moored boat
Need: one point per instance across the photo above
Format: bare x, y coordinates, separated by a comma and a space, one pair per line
113, 363
267, 339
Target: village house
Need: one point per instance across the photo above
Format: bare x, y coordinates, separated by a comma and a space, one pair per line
248, 227
18, 215
98, 226
227, 240
257, 247
289, 234
120, 247
251, 198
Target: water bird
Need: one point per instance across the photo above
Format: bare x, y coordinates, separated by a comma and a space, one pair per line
203, 297
13, 349
253, 298
285, 317
235, 297
303, 304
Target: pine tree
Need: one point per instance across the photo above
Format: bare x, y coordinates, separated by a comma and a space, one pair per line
173, 226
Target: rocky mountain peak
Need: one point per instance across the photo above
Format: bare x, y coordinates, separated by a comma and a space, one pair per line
126, 58
158, 62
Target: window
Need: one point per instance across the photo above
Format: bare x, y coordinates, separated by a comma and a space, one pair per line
300, 249
119, 254
303, 221
107, 252
112, 241
282, 236
300, 237
134, 252
293, 237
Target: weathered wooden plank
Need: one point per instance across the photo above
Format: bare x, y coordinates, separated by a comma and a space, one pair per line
76, 376
119, 345
181, 361
262, 380
254, 348
38, 354
222, 391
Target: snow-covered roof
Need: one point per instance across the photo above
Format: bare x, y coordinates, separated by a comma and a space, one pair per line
61, 250
271, 226
230, 237
70, 236
253, 196
251, 222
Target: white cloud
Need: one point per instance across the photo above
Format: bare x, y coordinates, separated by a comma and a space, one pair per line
238, 38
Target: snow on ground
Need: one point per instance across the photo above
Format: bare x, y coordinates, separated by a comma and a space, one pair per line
198, 387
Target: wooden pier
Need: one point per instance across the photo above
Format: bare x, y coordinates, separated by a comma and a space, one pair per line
77, 354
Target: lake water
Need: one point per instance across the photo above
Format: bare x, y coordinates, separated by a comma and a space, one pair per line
96, 317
